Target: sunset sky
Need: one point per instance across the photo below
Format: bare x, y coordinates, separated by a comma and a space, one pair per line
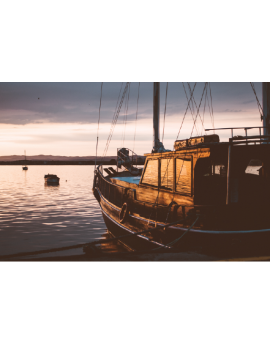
61, 118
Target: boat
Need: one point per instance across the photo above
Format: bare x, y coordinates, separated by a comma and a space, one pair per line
25, 167
51, 179
200, 196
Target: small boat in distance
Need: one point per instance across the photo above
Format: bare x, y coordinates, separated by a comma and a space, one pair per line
51, 179
25, 166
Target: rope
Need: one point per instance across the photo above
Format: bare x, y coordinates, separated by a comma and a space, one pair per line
196, 108
258, 102
191, 111
46, 251
114, 121
136, 117
125, 109
165, 111
212, 107
179, 238
127, 100
185, 112
98, 124
205, 103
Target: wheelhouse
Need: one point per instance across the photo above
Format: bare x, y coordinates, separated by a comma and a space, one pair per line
211, 173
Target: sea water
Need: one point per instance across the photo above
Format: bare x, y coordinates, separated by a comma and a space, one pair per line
34, 216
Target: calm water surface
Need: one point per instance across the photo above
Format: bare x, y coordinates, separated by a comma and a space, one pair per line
34, 216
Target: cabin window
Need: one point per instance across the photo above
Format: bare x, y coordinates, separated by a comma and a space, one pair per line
151, 173
183, 176
166, 173
254, 167
219, 170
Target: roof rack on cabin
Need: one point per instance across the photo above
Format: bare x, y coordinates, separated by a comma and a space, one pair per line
239, 139
193, 141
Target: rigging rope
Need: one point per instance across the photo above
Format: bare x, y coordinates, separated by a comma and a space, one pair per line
114, 121
258, 102
199, 108
191, 111
185, 112
136, 117
165, 111
98, 124
196, 107
126, 115
205, 98
212, 106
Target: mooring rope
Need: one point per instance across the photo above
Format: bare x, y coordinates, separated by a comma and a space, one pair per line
103, 241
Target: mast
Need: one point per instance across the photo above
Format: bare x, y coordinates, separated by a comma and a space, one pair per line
266, 108
156, 103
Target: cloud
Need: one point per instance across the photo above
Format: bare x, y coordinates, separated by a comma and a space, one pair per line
232, 111
79, 102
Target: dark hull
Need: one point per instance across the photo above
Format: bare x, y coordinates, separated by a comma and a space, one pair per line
218, 243
52, 180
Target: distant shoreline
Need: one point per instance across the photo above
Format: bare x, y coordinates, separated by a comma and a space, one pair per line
112, 162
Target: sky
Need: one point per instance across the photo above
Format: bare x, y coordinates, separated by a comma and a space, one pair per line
62, 118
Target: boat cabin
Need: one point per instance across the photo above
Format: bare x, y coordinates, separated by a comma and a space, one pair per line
203, 171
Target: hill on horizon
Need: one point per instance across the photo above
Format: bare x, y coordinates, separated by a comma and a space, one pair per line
53, 158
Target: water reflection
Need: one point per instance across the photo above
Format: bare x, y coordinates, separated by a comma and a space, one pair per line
36, 216
51, 185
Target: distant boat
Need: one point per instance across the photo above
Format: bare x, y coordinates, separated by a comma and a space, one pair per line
25, 166
51, 179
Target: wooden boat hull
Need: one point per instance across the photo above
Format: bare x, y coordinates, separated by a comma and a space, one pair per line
224, 243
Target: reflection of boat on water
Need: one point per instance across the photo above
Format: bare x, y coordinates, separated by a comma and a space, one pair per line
51, 179
25, 167
198, 196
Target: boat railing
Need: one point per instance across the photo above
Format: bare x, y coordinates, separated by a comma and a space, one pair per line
246, 139
128, 159
114, 193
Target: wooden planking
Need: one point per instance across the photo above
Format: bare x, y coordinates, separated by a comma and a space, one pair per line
148, 194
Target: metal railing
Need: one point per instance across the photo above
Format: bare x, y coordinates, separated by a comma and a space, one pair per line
261, 139
116, 194
128, 159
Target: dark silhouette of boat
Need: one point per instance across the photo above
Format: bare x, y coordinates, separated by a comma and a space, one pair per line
199, 196
25, 167
51, 179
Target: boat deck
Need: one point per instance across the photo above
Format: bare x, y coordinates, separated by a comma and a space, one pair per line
129, 179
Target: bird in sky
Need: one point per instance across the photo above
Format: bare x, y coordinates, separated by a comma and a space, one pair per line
38, 97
